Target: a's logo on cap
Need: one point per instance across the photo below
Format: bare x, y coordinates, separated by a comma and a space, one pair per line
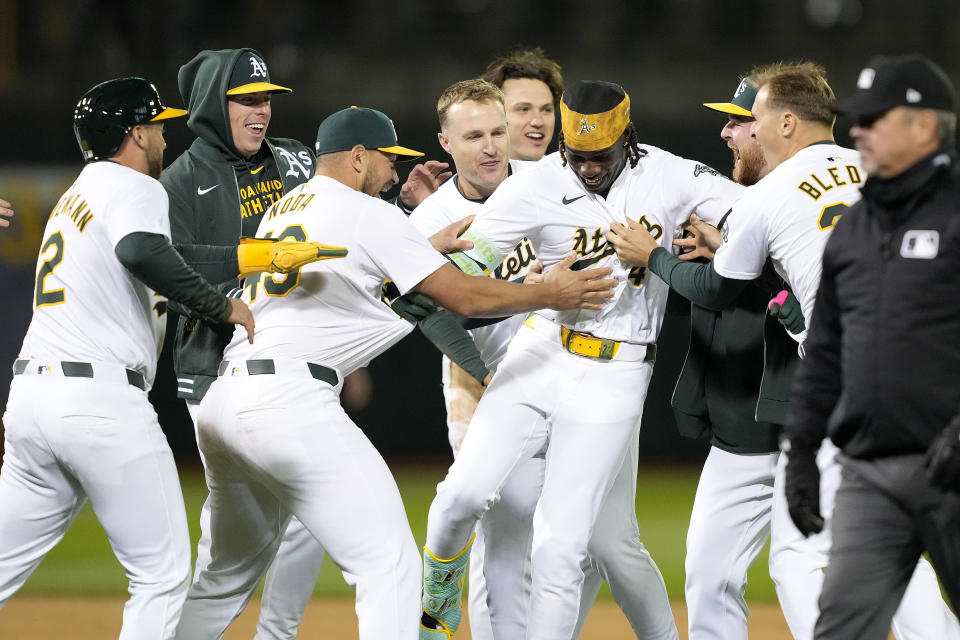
585, 127
259, 68
865, 81
740, 88
914, 96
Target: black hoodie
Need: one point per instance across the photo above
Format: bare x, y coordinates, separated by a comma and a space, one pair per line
206, 206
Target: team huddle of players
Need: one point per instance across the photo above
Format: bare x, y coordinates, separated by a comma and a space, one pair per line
546, 362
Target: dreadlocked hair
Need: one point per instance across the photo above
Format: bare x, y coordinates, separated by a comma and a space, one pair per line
632, 143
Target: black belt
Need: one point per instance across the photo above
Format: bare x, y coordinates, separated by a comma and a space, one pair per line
82, 370
267, 367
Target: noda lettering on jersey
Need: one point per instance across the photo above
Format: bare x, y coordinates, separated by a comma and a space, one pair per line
290, 205
76, 208
823, 181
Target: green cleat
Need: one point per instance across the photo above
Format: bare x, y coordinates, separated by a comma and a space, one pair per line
442, 588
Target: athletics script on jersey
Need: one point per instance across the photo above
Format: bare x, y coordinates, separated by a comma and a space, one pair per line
593, 247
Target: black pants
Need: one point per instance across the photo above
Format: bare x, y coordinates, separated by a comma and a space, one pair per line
885, 516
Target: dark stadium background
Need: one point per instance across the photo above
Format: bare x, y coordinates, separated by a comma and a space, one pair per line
670, 55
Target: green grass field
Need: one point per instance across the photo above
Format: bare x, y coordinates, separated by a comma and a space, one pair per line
84, 563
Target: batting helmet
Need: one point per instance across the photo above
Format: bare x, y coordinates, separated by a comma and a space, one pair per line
107, 113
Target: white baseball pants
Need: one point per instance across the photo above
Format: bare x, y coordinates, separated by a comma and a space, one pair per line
69, 440
729, 525
588, 411
281, 445
500, 573
292, 575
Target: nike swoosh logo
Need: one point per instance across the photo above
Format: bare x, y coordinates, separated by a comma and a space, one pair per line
255, 172
200, 191
567, 200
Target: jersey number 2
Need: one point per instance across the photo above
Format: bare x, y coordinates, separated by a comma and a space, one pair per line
272, 286
56, 296
830, 214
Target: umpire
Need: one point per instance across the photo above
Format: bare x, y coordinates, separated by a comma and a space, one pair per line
881, 374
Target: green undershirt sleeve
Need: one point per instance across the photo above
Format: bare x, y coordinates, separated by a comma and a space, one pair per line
445, 330
152, 259
697, 282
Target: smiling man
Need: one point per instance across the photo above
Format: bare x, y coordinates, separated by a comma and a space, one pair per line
531, 85
219, 189
545, 392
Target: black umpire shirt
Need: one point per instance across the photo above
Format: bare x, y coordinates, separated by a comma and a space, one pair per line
881, 374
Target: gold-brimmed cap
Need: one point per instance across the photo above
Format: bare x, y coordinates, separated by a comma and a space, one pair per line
250, 75
349, 127
742, 101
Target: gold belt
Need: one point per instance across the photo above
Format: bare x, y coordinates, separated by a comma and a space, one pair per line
591, 346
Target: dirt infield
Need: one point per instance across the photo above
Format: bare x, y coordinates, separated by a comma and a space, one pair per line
99, 618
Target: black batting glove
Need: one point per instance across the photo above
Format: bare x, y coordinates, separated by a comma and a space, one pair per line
802, 487
786, 308
943, 458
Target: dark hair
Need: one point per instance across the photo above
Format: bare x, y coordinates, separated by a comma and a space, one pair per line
800, 87
526, 63
634, 152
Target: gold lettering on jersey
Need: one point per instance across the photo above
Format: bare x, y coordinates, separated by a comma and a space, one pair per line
652, 228
580, 241
290, 205
833, 171
519, 260
637, 276
825, 187
74, 208
592, 247
853, 176
584, 244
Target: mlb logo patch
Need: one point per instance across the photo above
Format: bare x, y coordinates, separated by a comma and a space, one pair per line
920, 244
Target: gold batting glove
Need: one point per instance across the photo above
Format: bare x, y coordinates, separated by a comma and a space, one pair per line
257, 255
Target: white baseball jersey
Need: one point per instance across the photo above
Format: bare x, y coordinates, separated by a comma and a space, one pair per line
446, 206
788, 215
87, 307
330, 312
549, 205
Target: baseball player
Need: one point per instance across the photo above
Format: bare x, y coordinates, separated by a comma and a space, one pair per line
562, 372
78, 423
531, 84
275, 438
716, 395
474, 127
787, 216
219, 189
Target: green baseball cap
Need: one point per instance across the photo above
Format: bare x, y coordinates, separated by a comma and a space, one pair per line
349, 127
742, 101
250, 75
